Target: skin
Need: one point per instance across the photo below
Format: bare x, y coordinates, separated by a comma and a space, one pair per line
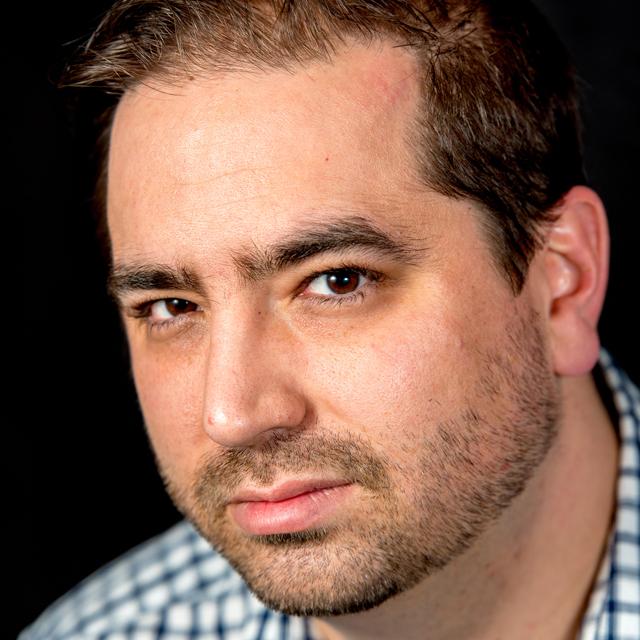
204, 172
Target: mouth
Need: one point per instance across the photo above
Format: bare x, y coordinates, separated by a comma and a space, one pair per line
289, 507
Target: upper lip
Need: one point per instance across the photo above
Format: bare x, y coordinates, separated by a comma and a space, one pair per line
285, 490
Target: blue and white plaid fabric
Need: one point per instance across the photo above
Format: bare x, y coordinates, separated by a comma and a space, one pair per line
614, 607
175, 587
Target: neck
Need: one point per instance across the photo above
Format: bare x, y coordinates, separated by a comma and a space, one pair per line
529, 576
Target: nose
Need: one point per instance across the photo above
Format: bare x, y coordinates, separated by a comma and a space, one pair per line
252, 391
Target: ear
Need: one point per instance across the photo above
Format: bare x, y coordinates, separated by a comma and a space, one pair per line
576, 268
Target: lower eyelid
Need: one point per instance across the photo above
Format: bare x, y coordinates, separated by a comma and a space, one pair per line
175, 324
356, 297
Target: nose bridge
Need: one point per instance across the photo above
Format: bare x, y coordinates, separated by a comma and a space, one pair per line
250, 383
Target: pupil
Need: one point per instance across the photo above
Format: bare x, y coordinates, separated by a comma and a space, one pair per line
344, 281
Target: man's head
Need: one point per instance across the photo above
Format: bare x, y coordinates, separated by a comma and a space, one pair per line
342, 390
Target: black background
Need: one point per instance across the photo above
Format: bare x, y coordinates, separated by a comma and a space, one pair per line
86, 480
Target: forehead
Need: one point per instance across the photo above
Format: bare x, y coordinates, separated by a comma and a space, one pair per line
259, 149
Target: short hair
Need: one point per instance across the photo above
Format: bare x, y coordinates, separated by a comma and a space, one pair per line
498, 121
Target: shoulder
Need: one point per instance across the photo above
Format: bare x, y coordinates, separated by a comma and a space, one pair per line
174, 585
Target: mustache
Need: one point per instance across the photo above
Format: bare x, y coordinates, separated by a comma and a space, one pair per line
346, 457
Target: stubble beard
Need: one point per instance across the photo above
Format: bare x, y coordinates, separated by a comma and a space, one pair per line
410, 523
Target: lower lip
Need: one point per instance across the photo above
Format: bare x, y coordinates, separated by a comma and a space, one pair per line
301, 512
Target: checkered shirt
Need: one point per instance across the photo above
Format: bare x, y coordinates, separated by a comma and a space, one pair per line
613, 612
175, 587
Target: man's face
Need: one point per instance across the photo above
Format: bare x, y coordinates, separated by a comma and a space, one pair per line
341, 391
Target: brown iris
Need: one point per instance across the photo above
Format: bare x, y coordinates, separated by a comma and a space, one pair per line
343, 281
176, 306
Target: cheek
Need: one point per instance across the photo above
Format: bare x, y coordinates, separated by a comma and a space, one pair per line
400, 379
170, 394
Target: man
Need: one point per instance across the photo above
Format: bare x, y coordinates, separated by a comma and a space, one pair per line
361, 283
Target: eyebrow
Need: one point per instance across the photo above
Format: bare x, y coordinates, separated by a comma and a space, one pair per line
260, 263
125, 279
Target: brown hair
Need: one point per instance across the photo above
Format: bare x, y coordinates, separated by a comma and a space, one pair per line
499, 122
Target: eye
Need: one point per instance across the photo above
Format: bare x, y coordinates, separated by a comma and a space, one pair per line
169, 308
340, 286
164, 314
338, 282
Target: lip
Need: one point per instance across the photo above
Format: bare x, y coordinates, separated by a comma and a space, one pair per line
285, 490
289, 507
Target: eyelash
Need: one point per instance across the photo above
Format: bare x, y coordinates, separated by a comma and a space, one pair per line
142, 310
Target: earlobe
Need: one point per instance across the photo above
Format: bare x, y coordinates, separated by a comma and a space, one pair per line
576, 264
